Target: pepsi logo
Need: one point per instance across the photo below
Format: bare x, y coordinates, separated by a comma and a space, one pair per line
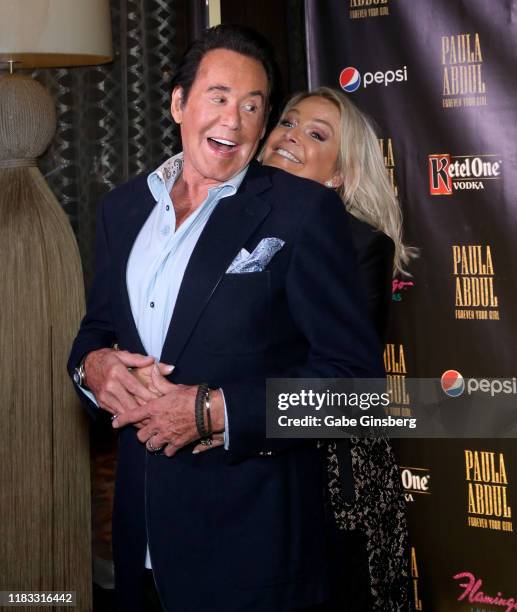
350, 79
453, 383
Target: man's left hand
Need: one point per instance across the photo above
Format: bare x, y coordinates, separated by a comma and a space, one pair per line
170, 419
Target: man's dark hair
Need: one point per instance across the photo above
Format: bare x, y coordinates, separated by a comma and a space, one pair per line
233, 38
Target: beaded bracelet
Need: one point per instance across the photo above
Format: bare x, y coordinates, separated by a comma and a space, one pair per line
203, 401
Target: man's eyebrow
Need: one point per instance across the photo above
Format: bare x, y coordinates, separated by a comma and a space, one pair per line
258, 93
227, 89
224, 88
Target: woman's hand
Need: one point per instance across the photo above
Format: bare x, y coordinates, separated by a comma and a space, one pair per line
143, 375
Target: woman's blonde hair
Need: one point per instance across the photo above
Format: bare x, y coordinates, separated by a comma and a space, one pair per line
366, 189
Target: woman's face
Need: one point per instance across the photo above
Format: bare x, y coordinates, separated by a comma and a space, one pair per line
306, 141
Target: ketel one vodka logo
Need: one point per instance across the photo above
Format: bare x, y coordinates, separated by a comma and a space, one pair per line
415, 481
449, 173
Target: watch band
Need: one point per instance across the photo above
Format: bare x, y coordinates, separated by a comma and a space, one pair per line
80, 374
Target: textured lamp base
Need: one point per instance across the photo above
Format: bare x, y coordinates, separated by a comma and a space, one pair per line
44, 457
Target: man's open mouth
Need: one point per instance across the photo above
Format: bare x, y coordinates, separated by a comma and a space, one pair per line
221, 144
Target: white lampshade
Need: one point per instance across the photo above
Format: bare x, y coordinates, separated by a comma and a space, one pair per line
55, 32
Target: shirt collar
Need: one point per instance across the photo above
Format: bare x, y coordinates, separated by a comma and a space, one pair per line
167, 174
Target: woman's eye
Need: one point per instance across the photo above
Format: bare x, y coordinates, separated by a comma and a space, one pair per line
251, 108
317, 136
286, 123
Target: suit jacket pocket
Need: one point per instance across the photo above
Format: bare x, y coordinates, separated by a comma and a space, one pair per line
237, 318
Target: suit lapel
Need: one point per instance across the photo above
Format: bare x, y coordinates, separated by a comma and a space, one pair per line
139, 206
234, 219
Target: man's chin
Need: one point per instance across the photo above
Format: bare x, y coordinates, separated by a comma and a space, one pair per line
212, 169
224, 172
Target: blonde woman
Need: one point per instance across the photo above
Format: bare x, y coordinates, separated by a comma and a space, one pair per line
323, 136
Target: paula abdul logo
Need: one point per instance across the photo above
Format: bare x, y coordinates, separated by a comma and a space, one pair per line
473, 594
362, 9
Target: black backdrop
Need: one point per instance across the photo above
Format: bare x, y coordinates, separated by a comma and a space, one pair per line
438, 77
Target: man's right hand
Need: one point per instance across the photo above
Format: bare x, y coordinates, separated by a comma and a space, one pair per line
115, 388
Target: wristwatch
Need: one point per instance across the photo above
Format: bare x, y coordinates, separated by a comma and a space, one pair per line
80, 374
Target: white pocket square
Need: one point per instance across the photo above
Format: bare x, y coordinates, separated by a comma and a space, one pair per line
258, 260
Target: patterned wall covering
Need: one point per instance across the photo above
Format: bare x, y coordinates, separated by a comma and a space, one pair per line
114, 120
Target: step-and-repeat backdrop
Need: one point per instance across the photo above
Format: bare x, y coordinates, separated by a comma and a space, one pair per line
439, 78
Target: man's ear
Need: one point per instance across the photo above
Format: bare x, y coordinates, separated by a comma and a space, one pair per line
177, 104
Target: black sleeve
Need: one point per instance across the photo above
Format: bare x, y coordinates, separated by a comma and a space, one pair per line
375, 252
96, 330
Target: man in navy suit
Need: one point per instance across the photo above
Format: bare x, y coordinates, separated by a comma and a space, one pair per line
226, 273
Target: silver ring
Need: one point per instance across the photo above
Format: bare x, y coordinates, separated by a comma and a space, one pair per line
150, 446
114, 416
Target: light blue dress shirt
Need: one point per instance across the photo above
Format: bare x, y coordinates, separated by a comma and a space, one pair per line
161, 253
160, 256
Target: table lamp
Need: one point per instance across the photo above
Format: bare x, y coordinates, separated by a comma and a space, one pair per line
44, 456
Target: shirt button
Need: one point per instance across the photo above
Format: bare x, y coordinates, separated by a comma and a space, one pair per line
151, 304
165, 230
167, 207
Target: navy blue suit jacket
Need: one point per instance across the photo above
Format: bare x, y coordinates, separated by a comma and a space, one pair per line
240, 529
